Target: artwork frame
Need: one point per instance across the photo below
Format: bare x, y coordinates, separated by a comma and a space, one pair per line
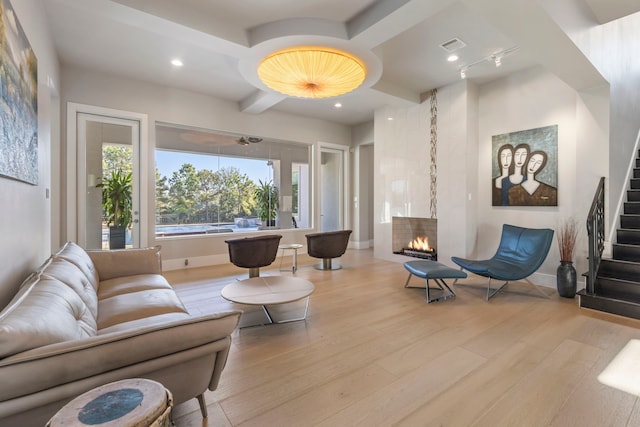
525, 167
19, 98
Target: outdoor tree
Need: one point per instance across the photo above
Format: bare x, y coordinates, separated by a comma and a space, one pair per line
116, 158
183, 190
237, 199
210, 187
162, 195
204, 196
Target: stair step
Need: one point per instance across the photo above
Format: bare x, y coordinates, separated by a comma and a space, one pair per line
635, 183
614, 304
625, 252
630, 221
632, 208
628, 236
619, 269
638, 162
627, 289
633, 195
636, 171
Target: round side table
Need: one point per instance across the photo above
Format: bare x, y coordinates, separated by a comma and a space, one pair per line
290, 247
133, 402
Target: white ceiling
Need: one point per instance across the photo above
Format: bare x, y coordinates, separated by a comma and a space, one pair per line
221, 41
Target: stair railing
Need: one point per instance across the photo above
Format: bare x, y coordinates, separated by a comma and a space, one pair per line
595, 233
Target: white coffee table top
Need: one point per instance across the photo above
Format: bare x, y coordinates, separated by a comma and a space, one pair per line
267, 290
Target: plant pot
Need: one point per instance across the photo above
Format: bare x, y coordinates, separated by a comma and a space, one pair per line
566, 279
117, 237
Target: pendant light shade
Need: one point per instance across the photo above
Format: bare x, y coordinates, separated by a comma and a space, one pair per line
312, 72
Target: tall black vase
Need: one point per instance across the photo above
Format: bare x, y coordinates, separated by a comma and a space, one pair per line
566, 279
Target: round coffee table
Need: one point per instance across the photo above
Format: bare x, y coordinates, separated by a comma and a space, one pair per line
269, 290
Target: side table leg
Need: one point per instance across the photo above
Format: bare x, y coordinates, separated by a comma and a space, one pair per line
295, 260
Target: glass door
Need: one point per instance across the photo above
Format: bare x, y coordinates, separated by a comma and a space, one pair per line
331, 188
108, 182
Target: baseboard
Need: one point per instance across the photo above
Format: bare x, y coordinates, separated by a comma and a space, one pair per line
550, 280
361, 245
194, 262
208, 260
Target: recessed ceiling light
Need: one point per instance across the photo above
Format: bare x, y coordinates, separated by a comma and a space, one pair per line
390, 118
452, 58
176, 62
337, 105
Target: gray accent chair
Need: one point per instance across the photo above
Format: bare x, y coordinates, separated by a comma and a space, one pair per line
328, 245
253, 252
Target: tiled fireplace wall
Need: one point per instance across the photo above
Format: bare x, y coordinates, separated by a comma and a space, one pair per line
405, 229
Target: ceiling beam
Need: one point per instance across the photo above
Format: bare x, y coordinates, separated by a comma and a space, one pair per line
388, 18
260, 101
528, 25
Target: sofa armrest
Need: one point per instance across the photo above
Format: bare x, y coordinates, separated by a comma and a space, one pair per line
62, 363
126, 262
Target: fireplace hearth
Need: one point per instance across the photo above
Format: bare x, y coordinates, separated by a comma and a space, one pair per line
432, 255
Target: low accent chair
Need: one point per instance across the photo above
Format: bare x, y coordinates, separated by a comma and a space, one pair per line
328, 245
520, 253
253, 252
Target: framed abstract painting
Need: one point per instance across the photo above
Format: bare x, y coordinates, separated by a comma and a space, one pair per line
19, 98
525, 168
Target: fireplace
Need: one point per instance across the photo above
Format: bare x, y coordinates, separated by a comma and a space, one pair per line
415, 237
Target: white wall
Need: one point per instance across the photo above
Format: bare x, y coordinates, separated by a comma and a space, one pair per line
612, 48
401, 171
526, 100
457, 170
362, 185
468, 117
26, 211
163, 104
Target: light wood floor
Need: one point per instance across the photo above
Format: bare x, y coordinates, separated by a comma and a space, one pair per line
372, 353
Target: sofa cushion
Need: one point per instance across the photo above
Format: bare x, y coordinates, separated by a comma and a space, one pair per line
138, 305
124, 285
77, 256
111, 264
44, 311
69, 274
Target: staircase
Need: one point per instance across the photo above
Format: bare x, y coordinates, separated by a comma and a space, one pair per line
616, 288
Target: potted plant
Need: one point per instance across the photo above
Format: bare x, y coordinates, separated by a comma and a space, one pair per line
117, 206
267, 198
566, 279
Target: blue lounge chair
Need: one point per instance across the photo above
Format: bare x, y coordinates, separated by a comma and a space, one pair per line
521, 252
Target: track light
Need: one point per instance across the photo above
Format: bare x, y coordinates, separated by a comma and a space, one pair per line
496, 58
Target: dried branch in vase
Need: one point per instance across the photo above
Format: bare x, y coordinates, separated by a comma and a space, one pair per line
567, 235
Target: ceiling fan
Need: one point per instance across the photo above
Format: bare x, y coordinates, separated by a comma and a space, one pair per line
246, 140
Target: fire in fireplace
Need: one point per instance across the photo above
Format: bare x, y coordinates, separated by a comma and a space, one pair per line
420, 244
419, 248
415, 237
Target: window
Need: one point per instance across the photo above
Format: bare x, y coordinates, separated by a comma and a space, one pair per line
209, 182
